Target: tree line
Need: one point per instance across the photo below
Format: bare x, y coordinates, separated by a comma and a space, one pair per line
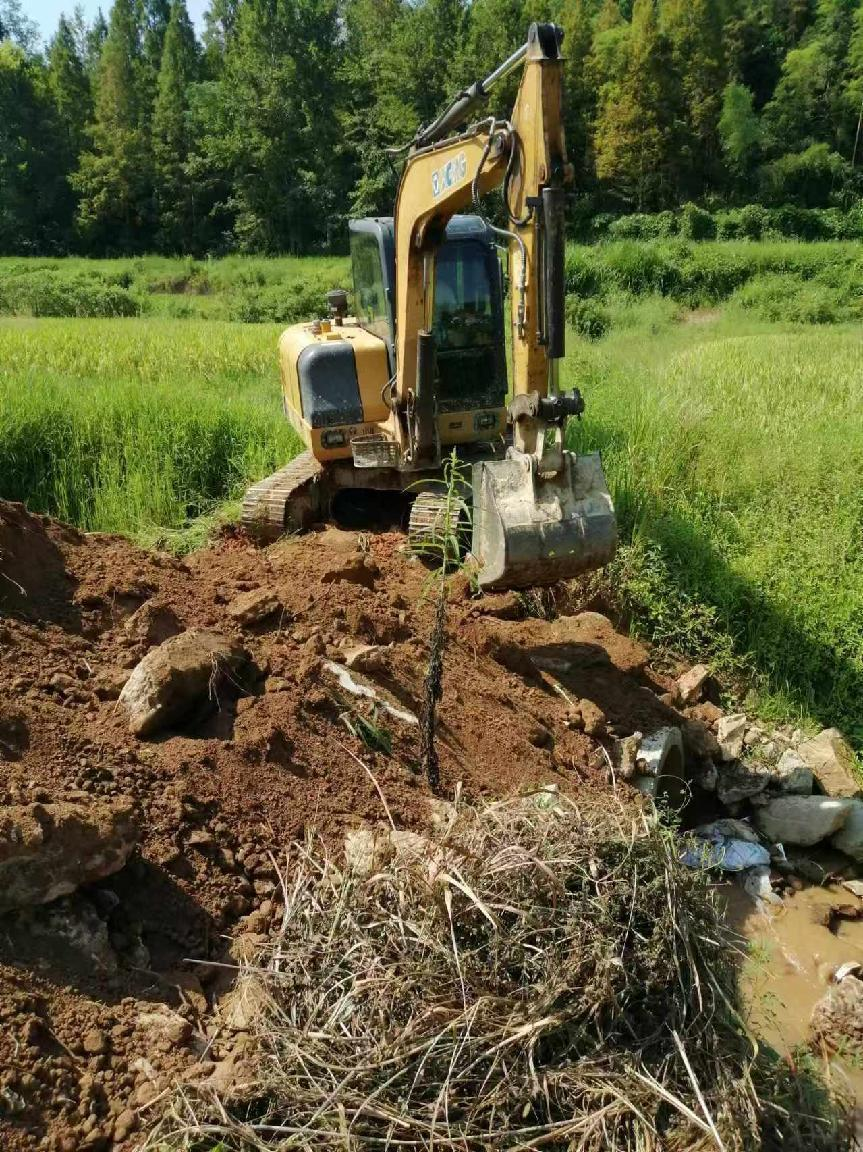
130, 133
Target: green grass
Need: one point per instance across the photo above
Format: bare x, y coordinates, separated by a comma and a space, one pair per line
735, 453
133, 425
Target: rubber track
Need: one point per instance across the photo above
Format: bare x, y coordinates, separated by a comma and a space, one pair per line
265, 503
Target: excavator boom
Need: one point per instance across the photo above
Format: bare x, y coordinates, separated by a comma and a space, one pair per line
542, 514
420, 370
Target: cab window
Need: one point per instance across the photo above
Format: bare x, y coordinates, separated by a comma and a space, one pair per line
370, 301
463, 311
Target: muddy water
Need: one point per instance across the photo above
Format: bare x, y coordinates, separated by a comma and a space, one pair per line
790, 963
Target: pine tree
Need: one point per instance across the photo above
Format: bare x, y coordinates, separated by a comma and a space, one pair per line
70, 88
281, 142
152, 17
694, 32
175, 194
579, 99
95, 36
633, 139
114, 178
854, 86
33, 214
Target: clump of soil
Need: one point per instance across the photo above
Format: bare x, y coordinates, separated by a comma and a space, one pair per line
107, 996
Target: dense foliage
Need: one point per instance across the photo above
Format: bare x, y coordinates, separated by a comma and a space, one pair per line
130, 134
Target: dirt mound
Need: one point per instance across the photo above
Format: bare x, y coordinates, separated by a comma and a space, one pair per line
33, 578
107, 994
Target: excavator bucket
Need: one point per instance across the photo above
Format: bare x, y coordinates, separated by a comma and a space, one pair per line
530, 529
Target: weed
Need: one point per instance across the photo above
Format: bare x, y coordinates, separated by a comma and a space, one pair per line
369, 731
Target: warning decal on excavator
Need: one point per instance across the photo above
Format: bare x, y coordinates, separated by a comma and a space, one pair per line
449, 174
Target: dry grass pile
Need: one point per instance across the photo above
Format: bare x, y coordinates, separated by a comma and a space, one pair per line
541, 975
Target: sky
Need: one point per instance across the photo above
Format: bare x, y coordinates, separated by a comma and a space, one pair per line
46, 13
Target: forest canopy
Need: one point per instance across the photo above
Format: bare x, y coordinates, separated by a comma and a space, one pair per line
130, 133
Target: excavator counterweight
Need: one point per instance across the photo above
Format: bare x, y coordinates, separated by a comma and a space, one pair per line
382, 397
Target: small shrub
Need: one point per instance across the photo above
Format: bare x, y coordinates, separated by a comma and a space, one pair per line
278, 303
642, 268
584, 271
696, 224
643, 226
812, 178
588, 317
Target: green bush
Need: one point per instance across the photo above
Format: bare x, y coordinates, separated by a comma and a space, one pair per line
750, 222
701, 274
696, 224
812, 178
788, 297
278, 303
587, 317
49, 292
641, 226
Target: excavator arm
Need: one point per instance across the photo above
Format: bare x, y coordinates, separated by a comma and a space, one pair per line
541, 514
443, 174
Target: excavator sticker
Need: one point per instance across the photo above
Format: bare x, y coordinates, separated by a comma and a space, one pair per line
449, 174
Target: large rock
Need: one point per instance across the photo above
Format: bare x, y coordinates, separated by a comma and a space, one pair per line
179, 677
48, 850
738, 781
791, 775
691, 684
153, 623
699, 741
832, 762
802, 820
849, 838
252, 607
730, 731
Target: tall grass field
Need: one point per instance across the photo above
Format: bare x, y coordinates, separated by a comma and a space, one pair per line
724, 386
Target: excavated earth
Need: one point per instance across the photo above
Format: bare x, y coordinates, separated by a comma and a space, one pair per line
110, 995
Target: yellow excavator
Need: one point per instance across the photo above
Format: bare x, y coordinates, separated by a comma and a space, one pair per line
381, 398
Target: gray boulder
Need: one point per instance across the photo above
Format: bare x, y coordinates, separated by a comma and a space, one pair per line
849, 838
179, 677
791, 774
730, 731
802, 820
738, 781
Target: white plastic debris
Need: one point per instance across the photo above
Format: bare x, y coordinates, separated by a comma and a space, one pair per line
849, 968
757, 885
356, 689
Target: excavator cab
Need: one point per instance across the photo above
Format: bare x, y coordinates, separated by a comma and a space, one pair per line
467, 320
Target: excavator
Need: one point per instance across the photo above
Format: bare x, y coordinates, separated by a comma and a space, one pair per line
382, 398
